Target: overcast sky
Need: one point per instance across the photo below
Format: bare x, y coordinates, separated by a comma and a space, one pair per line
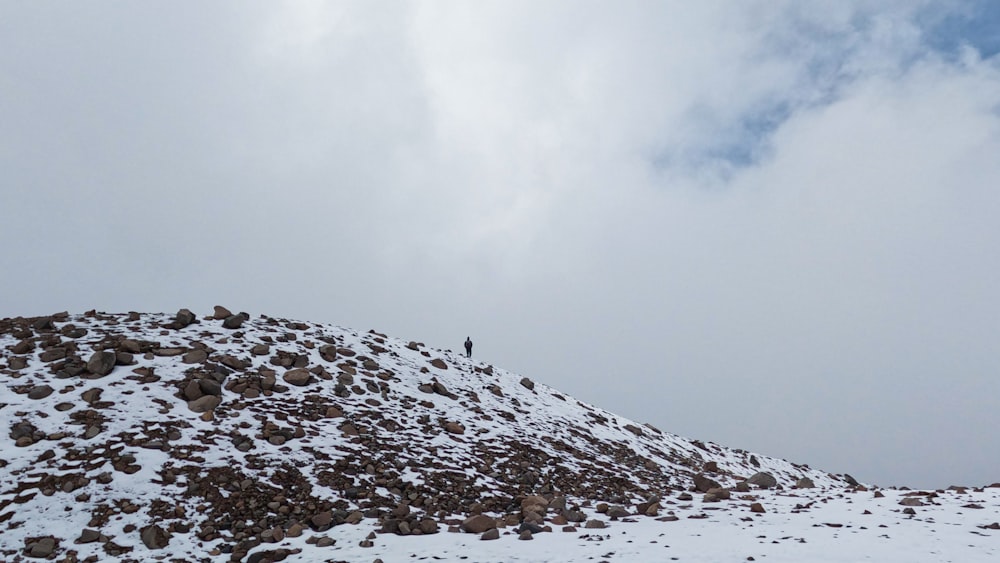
769, 224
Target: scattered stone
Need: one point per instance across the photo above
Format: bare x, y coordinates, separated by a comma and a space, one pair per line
41, 548
298, 377
88, 536
763, 480
491, 534
40, 392
704, 484
234, 322
221, 313
478, 524
527, 384
154, 537
805, 483
204, 404
102, 362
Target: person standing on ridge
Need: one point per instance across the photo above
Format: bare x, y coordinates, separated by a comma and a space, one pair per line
468, 347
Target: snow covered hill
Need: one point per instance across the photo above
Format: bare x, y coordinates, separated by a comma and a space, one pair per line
136, 437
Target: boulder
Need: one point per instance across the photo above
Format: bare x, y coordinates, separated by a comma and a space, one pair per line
40, 392
183, 318
491, 534
102, 362
763, 480
527, 384
234, 322
805, 483
41, 548
204, 404
704, 484
478, 524
298, 377
154, 537
195, 356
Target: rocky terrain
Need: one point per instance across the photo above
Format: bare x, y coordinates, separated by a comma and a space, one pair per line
231, 437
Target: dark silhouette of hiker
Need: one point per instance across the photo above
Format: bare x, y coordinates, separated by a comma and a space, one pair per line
468, 347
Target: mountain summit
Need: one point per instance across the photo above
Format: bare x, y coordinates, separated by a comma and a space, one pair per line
135, 437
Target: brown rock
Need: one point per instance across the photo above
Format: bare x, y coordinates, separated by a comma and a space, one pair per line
204, 404
454, 428
594, 524
757, 507
528, 384
41, 548
40, 392
221, 313
322, 520
88, 536
192, 391
704, 484
102, 362
491, 534
154, 537
195, 356
298, 377
478, 524
233, 322
439, 363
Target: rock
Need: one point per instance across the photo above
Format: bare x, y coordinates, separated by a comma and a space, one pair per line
183, 318
911, 501
454, 428
102, 362
23, 347
703, 484
757, 507
439, 363
42, 548
328, 352
195, 356
192, 391
805, 483
850, 480
154, 537
720, 493
491, 534
204, 404
525, 535
527, 384
221, 313
233, 322
617, 511
40, 392
595, 524
209, 386
298, 377
88, 536
430, 526
322, 520
478, 524
763, 480
742, 487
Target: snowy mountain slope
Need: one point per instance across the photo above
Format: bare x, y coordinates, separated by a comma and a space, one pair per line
137, 436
